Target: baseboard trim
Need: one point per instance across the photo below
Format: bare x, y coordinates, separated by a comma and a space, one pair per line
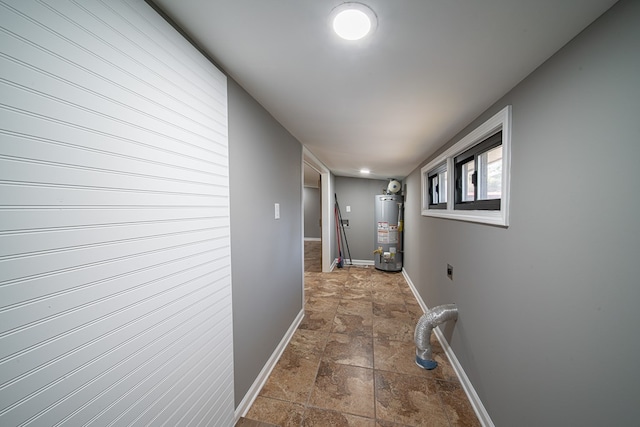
474, 399
313, 239
257, 385
347, 262
362, 262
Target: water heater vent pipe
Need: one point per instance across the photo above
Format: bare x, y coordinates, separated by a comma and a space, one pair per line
422, 336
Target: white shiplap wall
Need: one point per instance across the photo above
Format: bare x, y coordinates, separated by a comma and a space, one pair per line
115, 287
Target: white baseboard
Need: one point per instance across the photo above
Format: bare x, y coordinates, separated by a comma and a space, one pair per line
345, 262
312, 239
362, 262
257, 385
474, 399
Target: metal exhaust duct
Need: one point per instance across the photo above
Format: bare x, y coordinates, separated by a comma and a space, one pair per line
428, 321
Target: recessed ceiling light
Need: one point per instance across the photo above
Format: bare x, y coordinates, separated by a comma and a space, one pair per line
365, 171
353, 21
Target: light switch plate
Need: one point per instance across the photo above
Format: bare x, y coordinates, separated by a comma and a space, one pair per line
277, 210
348, 208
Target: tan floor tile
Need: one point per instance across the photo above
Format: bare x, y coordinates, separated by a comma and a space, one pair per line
414, 309
338, 274
326, 289
389, 310
382, 280
444, 369
358, 294
381, 423
308, 343
315, 417
406, 292
408, 400
400, 280
317, 320
347, 389
352, 324
349, 350
353, 283
321, 304
396, 356
361, 308
399, 328
384, 286
360, 273
343, 310
400, 356
456, 405
291, 379
278, 412
388, 296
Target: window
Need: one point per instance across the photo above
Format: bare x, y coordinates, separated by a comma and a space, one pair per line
470, 180
478, 175
438, 187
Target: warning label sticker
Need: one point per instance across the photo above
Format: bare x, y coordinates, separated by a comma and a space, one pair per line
383, 232
387, 234
393, 234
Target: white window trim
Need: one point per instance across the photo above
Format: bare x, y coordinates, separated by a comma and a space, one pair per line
500, 121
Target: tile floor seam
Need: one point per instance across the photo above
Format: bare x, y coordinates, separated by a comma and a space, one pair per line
315, 377
446, 413
307, 403
373, 363
343, 412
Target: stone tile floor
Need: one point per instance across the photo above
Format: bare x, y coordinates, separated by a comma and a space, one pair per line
351, 361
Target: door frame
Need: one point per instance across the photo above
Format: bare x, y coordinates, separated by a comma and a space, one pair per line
325, 208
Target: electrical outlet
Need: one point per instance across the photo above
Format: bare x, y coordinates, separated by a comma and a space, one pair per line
450, 271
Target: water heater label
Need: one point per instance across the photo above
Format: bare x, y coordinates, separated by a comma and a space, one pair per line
383, 232
393, 234
387, 234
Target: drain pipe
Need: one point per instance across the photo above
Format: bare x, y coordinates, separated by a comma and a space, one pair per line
428, 321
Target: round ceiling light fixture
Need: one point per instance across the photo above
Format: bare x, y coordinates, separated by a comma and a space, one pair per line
353, 21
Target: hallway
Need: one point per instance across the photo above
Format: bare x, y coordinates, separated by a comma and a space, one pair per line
351, 361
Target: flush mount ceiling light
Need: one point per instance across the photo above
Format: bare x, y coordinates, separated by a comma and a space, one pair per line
365, 171
353, 21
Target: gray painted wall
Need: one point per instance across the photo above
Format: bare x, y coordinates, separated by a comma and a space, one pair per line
264, 168
549, 313
312, 213
359, 194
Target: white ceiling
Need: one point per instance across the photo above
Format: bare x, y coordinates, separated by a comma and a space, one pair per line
388, 102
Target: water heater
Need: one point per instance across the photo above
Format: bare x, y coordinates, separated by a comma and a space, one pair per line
388, 229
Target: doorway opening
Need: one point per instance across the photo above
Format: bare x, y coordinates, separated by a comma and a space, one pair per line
319, 175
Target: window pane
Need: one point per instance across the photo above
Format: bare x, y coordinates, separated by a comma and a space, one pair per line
491, 165
467, 181
438, 187
434, 190
442, 177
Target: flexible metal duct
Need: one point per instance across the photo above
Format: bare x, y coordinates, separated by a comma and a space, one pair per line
428, 321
